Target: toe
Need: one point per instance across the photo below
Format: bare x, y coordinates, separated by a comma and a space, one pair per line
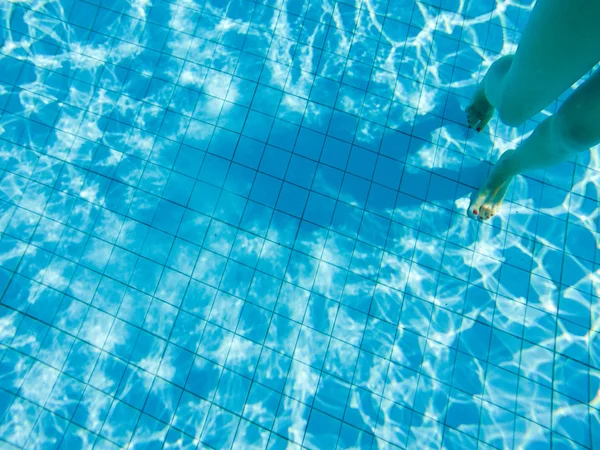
473, 212
483, 213
485, 119
472, 120
476, 205
488, 213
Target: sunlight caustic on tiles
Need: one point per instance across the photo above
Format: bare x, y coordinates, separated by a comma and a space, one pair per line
241, 224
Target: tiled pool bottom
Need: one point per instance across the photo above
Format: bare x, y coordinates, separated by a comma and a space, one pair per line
238, 224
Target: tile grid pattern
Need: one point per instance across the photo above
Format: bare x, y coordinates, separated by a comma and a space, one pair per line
97, 289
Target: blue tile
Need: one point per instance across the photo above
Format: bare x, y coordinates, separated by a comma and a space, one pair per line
45, 304
292, 302
226, 311
309, 144
232, 391
291, 421
466, 374
354, 190
146, 351
371, 381
474, 339
381, 200
65, 396
322, 431
120, 423
175, 365
351, 436
302, 269
147, 273
222, 430
254, 323
256, 218
121, 339
240, 179
13, 379
92, 410
282, 335
320, 313
341, 359
283, 135
243, 356
168, 216
283, 229
274, 259
365, 416
203, 378
503, 347
232, 116
292, 199
249, 152
335, 153
577, 426
214, 170
80, 362
76, 437
493, 419
264, 290
301, 171
275, 161
325, 91
261, 405
280, 365
134, 306
305, 347
571, 378
332, 396
191, 414
49, 430
327, 181
108, 373
236, 279
223, 143
20, 420
463, 412
149, 432
209, 268
265, 190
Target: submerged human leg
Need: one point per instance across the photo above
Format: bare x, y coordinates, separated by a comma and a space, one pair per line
573, 129
559, 45
481, 109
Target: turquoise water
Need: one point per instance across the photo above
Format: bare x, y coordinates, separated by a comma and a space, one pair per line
238, 224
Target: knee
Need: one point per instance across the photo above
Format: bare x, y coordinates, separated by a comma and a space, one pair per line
511, 115
571, 132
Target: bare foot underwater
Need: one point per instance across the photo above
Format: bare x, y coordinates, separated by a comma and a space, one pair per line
560, 45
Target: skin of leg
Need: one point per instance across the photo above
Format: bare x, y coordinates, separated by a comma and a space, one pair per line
559, 45
573, 129
481, 109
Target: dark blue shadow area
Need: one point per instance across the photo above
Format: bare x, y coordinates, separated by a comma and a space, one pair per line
241, 224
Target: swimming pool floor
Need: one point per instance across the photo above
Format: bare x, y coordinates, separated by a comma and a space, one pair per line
239, 224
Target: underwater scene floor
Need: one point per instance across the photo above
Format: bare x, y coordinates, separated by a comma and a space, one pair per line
242, 224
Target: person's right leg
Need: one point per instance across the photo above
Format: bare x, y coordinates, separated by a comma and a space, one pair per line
560, 44
573, 129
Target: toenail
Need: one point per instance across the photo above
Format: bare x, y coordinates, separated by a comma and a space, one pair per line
475, 211
478, 128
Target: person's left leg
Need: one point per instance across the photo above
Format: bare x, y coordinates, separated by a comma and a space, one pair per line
574, 128
559, 45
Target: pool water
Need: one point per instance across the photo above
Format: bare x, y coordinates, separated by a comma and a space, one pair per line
239, 224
